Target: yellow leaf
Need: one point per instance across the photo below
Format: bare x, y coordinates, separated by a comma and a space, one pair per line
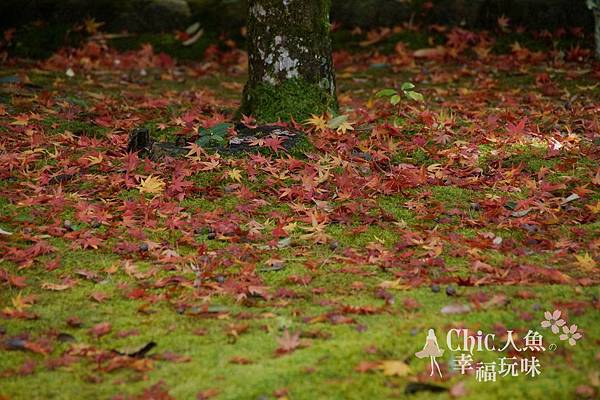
94, 160
318, 121
394, 368
210, 165
21, 120
56, 286
235, 175
91, 26
19, 303
594, 208
291, 227
152, 185
344, 126
591, 87
393, 285
585, 262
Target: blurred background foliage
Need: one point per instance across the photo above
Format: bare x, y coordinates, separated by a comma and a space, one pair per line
36, 28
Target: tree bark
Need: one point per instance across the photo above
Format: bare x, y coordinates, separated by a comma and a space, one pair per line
597, 32
594, 5
289, 60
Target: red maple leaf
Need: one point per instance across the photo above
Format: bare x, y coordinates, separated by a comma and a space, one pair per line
288, 342
516, 129
100, 329
87, 242
279, 232
249, 121
274, 143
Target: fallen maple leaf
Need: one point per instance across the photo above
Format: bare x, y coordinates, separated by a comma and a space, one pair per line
21, 120
594, 208
249, 121
240, 360
344, 127
235, 175
503, 23
430, 53
318, 122
261, 291
585, 262
36, 348
210, 165
100, 329
456, 309
365, 366
66, 284
196, 152
99, 297
316, 230
207, 394
152, 185
91, 26
74, 322
274, 143
397, 285
20, 303
394, 368
288, 342
87, 242
95, 160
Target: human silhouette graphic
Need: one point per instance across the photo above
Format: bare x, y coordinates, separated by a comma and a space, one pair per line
432, 350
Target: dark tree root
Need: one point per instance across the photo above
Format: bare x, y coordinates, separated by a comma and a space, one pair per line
247, 140
139, 140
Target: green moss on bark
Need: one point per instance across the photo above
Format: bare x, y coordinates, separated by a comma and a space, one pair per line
293, 98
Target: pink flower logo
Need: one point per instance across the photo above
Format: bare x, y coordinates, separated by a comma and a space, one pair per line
570, 334
553, 321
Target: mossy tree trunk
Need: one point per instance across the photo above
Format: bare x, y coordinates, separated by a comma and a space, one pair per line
594, 5
289, 55
597, 18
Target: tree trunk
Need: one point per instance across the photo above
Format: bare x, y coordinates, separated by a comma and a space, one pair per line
597, 18
289, 60
594, 5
